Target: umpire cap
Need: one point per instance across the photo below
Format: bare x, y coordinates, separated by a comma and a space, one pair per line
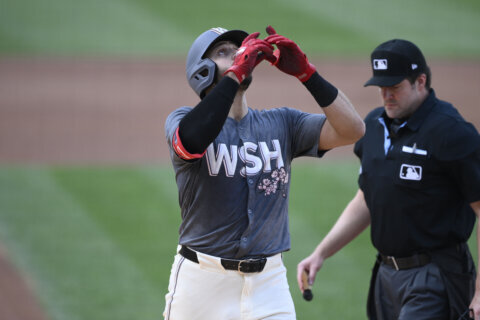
395, 60
200, 70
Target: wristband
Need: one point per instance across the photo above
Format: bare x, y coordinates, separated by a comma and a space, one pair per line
322, 90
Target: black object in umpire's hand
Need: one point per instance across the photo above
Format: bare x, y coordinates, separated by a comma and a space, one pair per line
307, 291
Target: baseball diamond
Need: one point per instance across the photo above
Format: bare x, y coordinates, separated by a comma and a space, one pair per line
117, 105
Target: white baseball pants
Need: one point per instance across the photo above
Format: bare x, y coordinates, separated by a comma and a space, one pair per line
206, 291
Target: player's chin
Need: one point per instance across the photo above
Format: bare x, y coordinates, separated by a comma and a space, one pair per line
246, 83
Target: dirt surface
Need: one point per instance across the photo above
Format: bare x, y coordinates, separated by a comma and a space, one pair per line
106, 111
16, 299
72, 111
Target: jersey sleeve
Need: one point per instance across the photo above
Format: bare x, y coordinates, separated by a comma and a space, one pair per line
466, 172
460, 153
361, 144
369, 120
358, 148
460, 139
173, 140
306, 129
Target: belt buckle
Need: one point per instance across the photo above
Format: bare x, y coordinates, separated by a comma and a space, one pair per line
394, 262
239, 269
257, 265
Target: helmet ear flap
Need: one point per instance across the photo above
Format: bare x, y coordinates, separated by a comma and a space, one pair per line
203, 76
212, 77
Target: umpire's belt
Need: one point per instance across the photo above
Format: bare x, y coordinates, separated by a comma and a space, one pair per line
245, 266
417, 260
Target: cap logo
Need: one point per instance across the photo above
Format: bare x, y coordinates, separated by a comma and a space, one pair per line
414, 66
219, 30
380, 64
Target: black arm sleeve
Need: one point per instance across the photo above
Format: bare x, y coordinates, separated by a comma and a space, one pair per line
322, 90
201, 126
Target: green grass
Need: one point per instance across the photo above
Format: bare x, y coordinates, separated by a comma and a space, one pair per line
163, 28
90, 249
98, 243
319, 194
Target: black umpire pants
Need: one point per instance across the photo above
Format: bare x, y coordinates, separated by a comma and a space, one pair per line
417, 293
441, 289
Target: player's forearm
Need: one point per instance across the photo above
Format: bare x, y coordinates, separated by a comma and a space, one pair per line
344, 119
344, 125
203, 124
354, 219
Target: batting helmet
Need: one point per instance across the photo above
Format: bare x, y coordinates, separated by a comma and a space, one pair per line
200, 70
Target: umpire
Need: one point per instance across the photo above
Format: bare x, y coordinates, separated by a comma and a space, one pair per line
419, 189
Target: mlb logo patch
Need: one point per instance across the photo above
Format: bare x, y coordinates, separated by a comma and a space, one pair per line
410, 172
380, 64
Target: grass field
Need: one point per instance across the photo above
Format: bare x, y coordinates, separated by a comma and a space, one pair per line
166, 28
98, 242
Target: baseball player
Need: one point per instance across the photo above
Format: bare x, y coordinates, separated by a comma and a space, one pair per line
419, 189
232, 165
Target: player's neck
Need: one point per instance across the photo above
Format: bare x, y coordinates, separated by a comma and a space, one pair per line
239, 107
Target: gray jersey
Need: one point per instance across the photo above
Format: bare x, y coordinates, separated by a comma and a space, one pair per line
234, 200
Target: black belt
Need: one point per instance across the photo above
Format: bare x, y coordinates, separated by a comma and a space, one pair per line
417, 260
245, 266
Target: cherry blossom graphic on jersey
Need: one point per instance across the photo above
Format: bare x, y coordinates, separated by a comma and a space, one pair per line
277, 180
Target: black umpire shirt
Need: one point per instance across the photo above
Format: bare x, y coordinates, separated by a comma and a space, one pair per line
420, 179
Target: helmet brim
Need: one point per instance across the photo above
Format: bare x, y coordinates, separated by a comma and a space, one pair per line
236, 36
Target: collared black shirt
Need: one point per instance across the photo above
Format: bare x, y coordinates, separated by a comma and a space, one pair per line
419, 183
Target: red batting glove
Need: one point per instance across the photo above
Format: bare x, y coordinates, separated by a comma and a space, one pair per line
289, 57
249, 55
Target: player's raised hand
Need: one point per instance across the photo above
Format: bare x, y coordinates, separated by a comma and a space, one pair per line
289, 58
249, 55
